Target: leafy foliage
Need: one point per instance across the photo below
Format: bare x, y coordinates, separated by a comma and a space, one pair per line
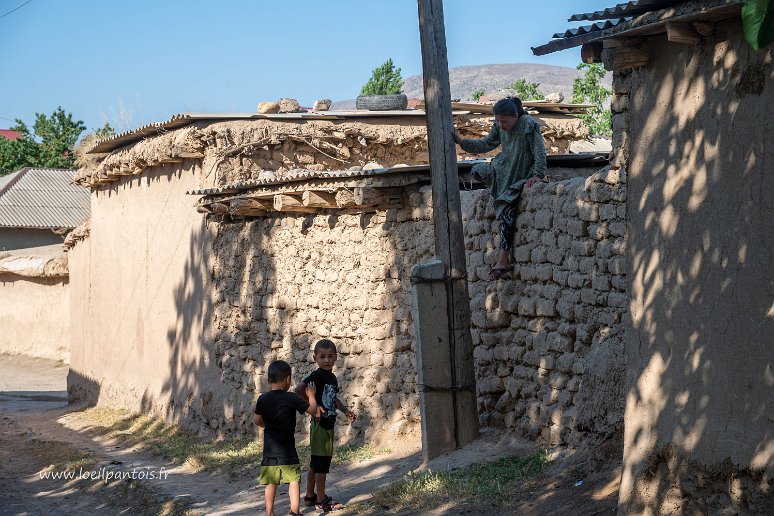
526, 90
385, 80
477, 94
51, 145
758, 22
587, 89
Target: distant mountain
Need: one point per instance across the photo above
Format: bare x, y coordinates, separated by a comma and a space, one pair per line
464, 80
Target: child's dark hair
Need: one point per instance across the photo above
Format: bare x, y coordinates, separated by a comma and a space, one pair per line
278, 371
324, 344
509, 106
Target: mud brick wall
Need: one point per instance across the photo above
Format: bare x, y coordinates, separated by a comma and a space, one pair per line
282, 283
548, 360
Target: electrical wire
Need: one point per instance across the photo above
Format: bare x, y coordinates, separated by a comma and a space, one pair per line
15, 9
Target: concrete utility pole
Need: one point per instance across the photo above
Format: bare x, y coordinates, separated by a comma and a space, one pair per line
447, 219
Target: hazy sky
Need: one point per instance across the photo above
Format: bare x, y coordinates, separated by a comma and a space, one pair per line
134, 62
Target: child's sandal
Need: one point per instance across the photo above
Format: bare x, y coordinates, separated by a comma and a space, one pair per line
329, 505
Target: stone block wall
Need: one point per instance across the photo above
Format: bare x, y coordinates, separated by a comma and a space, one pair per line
282, 283
535, 332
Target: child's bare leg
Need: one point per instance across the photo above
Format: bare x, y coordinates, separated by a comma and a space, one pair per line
269, 494
310, 483
319, 480
294, 490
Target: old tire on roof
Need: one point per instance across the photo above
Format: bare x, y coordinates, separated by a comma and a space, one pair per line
381, 102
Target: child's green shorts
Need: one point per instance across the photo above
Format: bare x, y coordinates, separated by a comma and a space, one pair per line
284, 474
321, 444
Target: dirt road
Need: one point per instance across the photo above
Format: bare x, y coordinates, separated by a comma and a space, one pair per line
41, 435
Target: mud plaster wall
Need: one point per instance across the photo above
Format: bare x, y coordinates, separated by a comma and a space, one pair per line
282, 283
695, 127
179, 317
139, 283
35, 316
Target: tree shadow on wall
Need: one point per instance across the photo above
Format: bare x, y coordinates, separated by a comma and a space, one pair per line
702, 287
256, 290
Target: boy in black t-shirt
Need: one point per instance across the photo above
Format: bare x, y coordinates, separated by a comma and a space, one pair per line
321, 429
275, 412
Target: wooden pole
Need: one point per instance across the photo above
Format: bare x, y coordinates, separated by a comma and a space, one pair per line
447, 215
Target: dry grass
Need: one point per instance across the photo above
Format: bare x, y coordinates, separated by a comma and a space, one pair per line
240, 458
478, 486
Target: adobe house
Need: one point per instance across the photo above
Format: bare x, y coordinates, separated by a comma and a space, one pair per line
693, 108
220, 242
38, 207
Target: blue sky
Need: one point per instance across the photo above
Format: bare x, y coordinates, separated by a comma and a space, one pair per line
134, 62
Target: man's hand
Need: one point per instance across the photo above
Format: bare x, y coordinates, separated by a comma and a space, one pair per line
531, 181
457, 137
350, 415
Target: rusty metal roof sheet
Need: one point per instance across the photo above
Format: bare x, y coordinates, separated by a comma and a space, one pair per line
43, 198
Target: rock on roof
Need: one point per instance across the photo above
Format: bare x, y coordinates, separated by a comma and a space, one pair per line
42, 198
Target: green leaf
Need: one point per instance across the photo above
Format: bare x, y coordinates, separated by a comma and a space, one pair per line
758, 22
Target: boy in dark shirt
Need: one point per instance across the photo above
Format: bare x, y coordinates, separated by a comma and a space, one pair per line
321, 429
275, 412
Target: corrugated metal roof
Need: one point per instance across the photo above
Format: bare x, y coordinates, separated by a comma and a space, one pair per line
300, 175
590, 28
627, 9
43, 198
628, 21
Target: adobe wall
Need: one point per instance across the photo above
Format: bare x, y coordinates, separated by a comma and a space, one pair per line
35, 316
695, 129
139, 296
547, 347
179, 315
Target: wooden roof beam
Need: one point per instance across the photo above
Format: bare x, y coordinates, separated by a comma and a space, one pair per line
318, 199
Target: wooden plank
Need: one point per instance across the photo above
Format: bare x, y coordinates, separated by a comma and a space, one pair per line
318, 199
591, 52
703, 28
219, 208
682, 33
283, 202
248, 207
447, 217
345, 198
629, 57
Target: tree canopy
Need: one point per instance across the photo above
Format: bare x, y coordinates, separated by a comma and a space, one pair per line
50, 144
385, 80
526, 90
588, 89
